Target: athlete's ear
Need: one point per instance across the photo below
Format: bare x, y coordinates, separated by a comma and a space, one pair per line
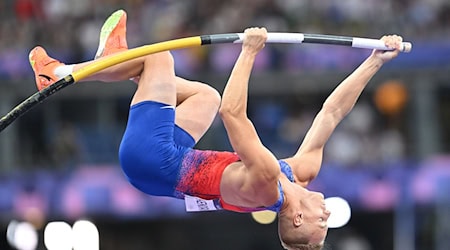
298, 219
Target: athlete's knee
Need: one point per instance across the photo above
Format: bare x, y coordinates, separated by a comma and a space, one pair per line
161, 60
210, 95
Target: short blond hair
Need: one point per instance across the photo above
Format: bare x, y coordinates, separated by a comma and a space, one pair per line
290, 239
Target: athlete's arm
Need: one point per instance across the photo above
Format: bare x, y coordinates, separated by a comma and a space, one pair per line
261, 173
307, 161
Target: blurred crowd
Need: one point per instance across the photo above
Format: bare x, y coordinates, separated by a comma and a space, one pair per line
69, 28
376, 136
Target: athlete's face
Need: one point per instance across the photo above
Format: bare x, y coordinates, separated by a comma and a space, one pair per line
304, 221
315, 216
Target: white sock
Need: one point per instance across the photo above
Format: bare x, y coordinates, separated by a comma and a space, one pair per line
64, 70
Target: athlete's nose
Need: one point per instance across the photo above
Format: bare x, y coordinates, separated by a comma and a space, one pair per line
327, 214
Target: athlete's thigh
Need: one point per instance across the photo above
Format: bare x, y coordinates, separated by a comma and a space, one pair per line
197, 107
157, 81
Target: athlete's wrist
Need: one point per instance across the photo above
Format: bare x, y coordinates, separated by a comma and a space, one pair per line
249, 52
375, 61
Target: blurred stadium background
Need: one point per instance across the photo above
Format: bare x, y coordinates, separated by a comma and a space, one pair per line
389, 158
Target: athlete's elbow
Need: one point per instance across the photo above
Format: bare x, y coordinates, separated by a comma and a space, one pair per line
333, 111
342, 104
227, 112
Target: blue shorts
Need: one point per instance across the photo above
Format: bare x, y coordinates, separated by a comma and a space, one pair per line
153, 147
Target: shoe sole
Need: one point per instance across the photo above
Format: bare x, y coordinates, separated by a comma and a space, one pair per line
108, 27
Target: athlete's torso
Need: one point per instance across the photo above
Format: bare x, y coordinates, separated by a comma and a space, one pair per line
201, 173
